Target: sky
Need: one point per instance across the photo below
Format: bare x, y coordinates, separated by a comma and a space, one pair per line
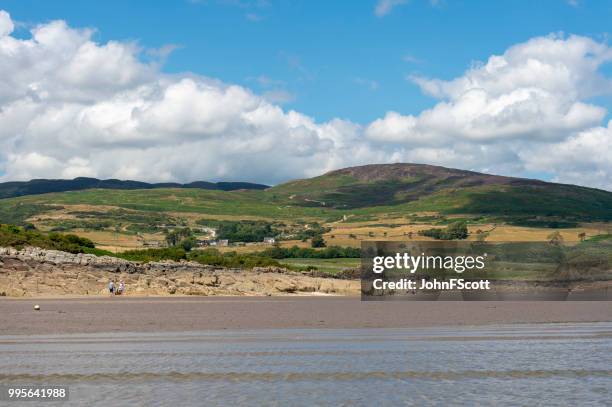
267, 91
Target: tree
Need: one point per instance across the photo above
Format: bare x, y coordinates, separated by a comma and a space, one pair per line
317, 241
555, 238
175, 237
457, 231
454, 231
189, 243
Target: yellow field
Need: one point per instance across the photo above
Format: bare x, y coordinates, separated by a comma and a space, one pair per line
340, 234
343, 232
117, 242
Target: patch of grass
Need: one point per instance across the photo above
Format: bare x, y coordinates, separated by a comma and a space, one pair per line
231, 259
328, 266
332, 252
16, 212
542, 223
600, 238
71, 224
567, 203
148, 255
234, 203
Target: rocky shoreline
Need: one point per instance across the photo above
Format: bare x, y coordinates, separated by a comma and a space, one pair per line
32, 272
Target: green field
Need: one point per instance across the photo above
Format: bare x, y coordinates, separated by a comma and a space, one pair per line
238, 203
329, 266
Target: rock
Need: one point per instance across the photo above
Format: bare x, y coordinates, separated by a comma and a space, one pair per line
285, 287
270, 269
34, 271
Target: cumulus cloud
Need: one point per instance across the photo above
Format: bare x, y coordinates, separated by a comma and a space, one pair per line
536, 93
535, 89
586, 156
6, 24
70, 106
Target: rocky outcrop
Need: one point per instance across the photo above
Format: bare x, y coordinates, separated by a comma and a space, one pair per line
38, 272
106, 263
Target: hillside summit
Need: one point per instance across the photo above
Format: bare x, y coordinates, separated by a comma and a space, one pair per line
381, 172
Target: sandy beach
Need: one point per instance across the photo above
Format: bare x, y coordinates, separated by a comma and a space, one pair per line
149, 314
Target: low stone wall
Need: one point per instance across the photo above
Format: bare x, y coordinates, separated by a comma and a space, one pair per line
39, 272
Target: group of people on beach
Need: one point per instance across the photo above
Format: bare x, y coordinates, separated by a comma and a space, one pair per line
116, 290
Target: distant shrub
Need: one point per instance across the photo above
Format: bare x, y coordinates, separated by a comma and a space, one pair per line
332, 252
313, 230
454, 231
543, 223
148, 255
241, 231
232, 259
18, 237
317, 241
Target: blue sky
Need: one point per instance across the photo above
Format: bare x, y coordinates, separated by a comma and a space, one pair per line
330, 58
267, 91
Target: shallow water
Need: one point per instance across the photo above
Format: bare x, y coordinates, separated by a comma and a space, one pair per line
540, 364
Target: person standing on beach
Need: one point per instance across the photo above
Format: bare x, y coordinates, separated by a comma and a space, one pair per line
111, 287
121, 287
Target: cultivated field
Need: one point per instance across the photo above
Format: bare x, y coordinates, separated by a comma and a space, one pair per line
116, 228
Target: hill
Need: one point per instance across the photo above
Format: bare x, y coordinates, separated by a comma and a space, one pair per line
426, 187
43, 186
366, 192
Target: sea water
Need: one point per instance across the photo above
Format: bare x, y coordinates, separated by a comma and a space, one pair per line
535, 364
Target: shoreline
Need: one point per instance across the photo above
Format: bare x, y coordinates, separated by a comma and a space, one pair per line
184, 314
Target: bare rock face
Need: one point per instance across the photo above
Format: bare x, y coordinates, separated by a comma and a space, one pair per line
59, 258
38, 272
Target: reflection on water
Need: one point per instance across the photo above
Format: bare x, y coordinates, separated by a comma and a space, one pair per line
551, 364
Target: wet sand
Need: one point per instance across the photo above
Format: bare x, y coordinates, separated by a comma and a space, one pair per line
105, 314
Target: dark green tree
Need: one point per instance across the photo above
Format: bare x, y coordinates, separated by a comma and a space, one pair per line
317, 241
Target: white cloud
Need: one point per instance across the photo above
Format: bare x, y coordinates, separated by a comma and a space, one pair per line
72, 107
535, 89
584, 158
536, 93
6, 24
384, 7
